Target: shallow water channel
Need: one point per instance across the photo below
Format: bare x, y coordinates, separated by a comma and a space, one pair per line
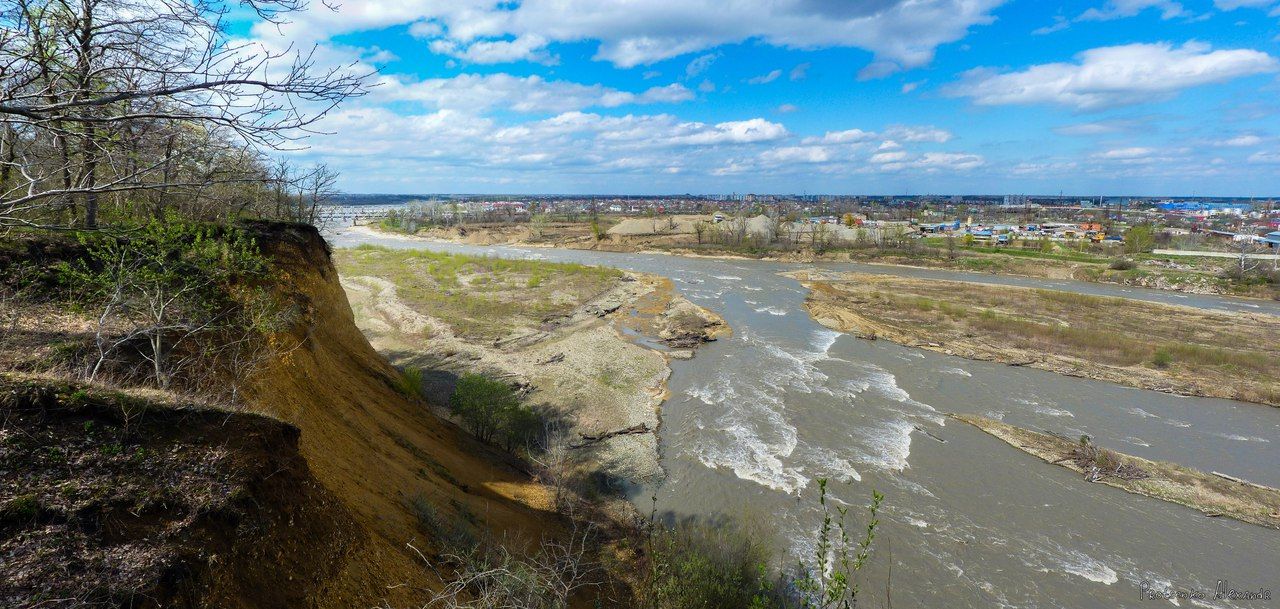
753, 420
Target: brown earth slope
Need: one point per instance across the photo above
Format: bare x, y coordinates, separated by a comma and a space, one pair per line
375, 449
370, 451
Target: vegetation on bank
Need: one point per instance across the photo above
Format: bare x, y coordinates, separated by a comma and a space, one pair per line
1128, 262
1180, 349
669, 563
1213, 494
172, 304
479, 297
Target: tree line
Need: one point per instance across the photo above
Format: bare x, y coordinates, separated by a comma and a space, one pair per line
116, 111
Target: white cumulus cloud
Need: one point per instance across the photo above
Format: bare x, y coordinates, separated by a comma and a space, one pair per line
521, 94
1114, 76
901, 33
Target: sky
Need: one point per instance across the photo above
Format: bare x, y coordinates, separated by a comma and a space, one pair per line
904, 97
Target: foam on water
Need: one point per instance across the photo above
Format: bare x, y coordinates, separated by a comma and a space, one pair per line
1055, 558
1239, 438
728, 277
956, 371
1053, 412
883, 383
1137, 441
1090, 569
752, 458
888, 444
910, 486
825, 463
751, 437
824, 339
772, 311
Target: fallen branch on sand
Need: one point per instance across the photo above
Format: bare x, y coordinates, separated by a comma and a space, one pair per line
590, 439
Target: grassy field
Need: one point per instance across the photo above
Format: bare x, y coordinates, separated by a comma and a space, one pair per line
478, 297
1165, 347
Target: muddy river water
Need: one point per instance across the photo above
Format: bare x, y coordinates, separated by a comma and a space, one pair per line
968, 521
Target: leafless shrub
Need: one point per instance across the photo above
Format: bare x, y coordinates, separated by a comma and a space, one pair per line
1099, 463
492, 576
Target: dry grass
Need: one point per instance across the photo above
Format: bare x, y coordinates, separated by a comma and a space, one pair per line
1227, 354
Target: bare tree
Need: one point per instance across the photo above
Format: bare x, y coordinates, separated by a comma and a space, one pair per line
104, 97
319, 186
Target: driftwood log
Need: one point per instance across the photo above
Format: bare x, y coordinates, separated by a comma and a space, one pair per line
930, 434
1239, 480
589, 439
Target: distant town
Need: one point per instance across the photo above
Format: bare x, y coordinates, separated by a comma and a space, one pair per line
980, 218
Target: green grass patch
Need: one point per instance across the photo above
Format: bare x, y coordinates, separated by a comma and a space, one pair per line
479, 296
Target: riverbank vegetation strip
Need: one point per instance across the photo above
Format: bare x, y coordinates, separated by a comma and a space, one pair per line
1097, 263
1209, 493
1167, 348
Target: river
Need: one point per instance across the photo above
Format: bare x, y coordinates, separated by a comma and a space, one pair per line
753, 420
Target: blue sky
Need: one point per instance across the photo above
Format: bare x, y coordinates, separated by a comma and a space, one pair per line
822, 96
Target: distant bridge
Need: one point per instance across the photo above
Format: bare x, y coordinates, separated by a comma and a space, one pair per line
350, 215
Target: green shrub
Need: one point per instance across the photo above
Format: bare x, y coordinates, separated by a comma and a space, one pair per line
1139, 239
1162, 358
1122, 264
492, 411
22, 509
410, 383
722, 565
698, 564
177, 300
1107, 460
831, 581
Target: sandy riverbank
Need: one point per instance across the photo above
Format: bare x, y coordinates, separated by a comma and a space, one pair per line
592, 346
1167, 348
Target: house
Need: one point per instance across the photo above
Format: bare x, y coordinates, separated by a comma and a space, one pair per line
982, 234
1272, 239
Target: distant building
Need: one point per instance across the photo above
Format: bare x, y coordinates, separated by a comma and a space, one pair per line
1015, 200
1202, 209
